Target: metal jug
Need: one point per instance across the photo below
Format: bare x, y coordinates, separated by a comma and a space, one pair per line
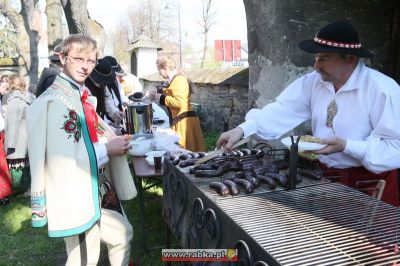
139, 118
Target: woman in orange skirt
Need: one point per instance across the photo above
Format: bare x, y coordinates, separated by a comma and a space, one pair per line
176, 97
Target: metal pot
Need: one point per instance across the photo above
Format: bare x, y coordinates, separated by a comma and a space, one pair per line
139, 118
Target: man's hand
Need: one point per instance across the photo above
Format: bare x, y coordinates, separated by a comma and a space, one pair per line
118, 145
118, 116
155, 97
229, 138
333, 145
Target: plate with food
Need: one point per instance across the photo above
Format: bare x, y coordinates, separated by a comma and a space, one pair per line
306, 143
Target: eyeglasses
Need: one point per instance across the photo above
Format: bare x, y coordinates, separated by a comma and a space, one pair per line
79, 60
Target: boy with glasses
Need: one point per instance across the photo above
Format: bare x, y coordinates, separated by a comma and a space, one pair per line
68, 189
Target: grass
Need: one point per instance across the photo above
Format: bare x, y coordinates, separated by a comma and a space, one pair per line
20, 244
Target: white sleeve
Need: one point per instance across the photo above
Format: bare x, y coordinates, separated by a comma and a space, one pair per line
101, 154
109, 102
291, 108
124, 99
380, 151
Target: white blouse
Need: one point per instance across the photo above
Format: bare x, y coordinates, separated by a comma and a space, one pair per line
368, 117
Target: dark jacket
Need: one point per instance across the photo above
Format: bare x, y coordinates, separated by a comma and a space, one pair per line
47, 78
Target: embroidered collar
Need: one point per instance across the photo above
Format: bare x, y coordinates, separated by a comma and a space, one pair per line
77, 85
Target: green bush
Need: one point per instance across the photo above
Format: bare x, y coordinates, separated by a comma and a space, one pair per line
210, 138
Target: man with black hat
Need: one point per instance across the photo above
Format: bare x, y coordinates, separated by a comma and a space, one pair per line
50, 73
353, 109
115, 98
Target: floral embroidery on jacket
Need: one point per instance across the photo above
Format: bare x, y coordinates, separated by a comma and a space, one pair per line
72, 125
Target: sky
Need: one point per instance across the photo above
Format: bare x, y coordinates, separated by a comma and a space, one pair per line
230, 22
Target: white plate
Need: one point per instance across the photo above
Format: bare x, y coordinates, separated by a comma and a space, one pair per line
303, 146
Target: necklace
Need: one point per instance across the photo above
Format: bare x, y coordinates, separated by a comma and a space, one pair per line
330, 114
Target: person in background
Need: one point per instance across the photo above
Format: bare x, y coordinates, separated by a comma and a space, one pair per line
101, 77
50, 73
69, 189
5, 179
129, 83
176, 97
353, 109
16, 146
115, 98
4, 93
3, 89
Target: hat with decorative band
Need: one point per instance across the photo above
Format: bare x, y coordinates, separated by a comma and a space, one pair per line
103, 74
115, 66
336, 37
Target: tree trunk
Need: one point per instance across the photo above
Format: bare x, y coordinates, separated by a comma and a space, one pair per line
27, 36
204, 48
77, 15
54, 14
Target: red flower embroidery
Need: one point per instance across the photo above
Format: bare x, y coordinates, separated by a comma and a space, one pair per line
72, 125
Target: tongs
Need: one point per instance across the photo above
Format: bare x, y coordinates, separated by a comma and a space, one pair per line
220, 151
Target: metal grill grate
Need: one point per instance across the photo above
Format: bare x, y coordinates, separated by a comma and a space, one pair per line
328, 224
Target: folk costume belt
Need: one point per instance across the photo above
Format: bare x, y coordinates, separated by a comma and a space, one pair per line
178, 118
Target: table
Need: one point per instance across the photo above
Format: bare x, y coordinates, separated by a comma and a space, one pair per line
141, 170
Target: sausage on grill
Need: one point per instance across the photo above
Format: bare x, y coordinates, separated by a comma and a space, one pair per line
271, 183
246, 185
233, 188
220, 188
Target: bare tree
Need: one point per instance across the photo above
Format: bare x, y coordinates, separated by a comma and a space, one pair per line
150, 18
27, 35
77, 15
206, 22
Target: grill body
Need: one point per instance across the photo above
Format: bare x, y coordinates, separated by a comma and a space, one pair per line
318, 223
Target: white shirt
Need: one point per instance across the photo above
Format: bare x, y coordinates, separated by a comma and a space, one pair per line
368, 117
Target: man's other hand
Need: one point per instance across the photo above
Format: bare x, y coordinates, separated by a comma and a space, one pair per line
229, 138
333, 145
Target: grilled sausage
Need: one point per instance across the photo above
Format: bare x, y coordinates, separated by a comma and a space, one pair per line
209, 173
233, 188
187, 163
201, 154
280, 178
270, 182
250, 166
220, 188
262, 170
194, 155
176, 161
185, 156
246, 185
231, 166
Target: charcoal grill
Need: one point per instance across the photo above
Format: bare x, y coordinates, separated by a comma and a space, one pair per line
318, 223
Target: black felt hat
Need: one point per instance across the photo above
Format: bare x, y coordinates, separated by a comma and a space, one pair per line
103, 74
337, 37
114, 64
55, 56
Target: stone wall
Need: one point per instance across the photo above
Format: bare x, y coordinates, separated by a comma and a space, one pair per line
222, 107
277, 26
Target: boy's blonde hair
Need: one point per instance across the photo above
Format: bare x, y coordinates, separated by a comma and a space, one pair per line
80, 41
